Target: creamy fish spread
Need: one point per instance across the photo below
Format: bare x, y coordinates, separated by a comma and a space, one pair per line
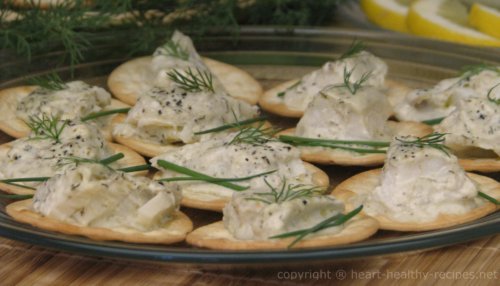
418, 184
96, 196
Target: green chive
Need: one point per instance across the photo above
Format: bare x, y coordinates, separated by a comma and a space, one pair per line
491, 199
232, 125
105, 113
27, 179
111, 159
433, 121
137, 168
19, 185
294, 139
214, 180
16, 197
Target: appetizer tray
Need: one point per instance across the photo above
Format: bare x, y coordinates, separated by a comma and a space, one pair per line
272, 56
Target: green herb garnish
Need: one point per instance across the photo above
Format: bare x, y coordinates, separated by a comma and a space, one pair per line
175, 50
192, 81
15, 197
46, 127
356, 47
282, 93
489, 198
49, 82
471, 70
332, 221
183, 170
434, 140
232, 125
496, 101
254, 135
104, 162
286, 192
337, 144
26, 179
433, 121
95, 115
175, 179
352, 87
145, 167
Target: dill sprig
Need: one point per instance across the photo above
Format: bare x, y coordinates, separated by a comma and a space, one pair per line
433, 121
286, 192
192, 81
232, 125
50, 81
356, 47
332, 221
186, 171
496, 101
46, 127
282, 93
351, 86
471, 70
336, 144
489, 198
175, 50
434, 140
95, 115
254, 135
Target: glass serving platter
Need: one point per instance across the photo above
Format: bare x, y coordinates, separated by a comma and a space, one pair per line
272, 56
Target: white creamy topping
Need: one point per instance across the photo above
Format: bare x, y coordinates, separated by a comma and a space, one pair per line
336, 113
248, 219
419, 183
32, 157
174, 115
97, 196
217, 158
164, 61
474, 123
440, 101
299, 96
73, 102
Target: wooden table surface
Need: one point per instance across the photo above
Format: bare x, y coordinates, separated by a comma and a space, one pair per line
473, 263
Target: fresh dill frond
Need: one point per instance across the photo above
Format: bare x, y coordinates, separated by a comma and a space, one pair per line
254, 135
46, 127
282, 93
471, 70
285, 192
332, 221
356, 47
50, 81
175, 50
490, 98
434, 140
192, 81
351, 86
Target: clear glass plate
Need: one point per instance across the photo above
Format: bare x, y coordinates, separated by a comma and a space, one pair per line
271, 55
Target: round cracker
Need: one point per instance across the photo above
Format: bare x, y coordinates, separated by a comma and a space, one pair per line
270, 102
215, 236
131, 158
191, 200
173, 231
15, 127
330, 156
136, 76
367, 181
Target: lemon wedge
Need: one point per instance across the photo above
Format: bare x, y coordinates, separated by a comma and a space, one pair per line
445, 20
389, 14
485, 19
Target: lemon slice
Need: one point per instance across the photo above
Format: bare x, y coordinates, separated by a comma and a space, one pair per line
445, 20
485, 19
389, 14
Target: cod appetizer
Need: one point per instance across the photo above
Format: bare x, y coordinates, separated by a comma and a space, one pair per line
131, 80
473, 129
234, 162
50, 96
292, 98
347, 125
96, 201
166, 117
52, 144
433, 104
421, 187
283, 216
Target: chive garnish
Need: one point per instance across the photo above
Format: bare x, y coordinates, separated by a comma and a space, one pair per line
174, 179
183, 170
232, 125
332, 221
104, 113
282, 93
191, 81
26, 179
496, 101
145, 167
336, 144
15, 197
19, 185
433, 121
489, 198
